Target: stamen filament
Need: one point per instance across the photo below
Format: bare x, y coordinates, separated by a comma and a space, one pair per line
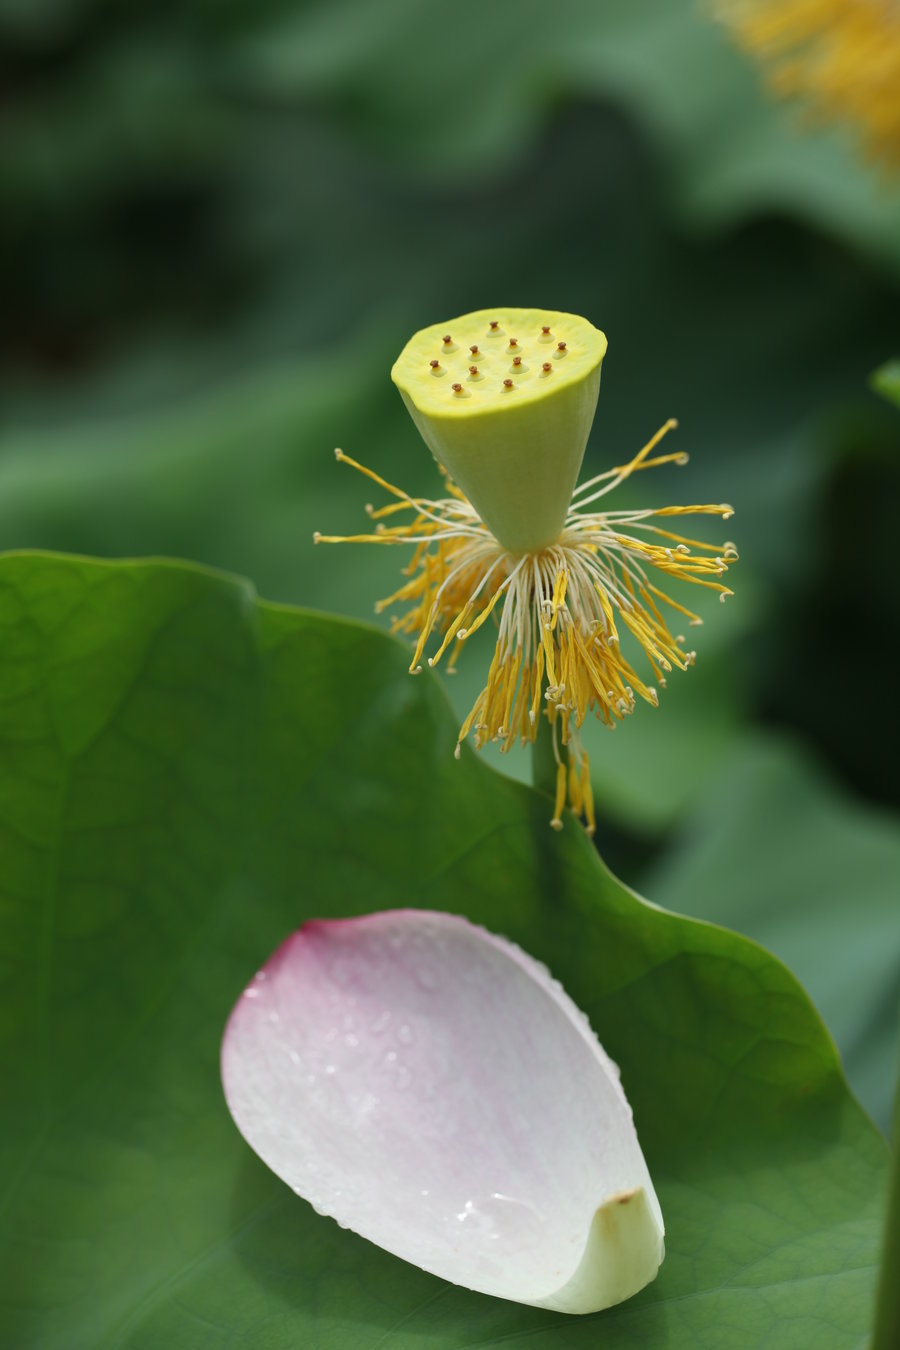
558, 651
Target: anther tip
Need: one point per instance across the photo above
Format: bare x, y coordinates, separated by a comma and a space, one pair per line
556, 823
517, 360
457, 388
456, 752
495, 324
317, 537
560, 346
339, 455
507, 384
546, 367
447, 340
545, 328
435, 365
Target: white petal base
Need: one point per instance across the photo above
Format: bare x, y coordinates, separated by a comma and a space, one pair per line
430, 1086
625, 1248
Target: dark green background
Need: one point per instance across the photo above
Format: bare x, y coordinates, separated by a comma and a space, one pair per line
219, 223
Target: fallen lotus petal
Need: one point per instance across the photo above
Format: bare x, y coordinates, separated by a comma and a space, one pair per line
428, 1085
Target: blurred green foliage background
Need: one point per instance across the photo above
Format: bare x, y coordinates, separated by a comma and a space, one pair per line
219, 224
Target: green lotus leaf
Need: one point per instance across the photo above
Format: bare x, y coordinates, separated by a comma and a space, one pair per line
187, 776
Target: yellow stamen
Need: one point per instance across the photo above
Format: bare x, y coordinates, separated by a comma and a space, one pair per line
486, 613
587, 793
841, 57
538, 677
558, 612
560, 801
423, 638
661, 595
574, 783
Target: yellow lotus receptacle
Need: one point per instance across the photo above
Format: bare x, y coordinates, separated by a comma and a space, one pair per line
504, 399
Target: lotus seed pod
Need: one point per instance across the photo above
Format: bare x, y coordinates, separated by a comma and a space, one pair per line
504, 399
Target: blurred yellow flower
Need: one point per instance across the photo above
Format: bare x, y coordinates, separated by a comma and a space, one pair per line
560, 580
841, 56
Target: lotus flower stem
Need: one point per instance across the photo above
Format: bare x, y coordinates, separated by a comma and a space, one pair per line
543, 761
